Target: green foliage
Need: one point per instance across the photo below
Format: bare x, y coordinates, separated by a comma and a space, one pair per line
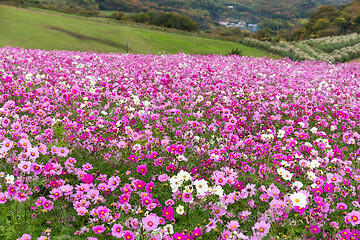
118, 15
265, 34
169, 20
235, 51
141, 18
321, 24
328, 21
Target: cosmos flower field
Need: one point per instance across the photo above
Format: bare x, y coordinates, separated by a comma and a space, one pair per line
123, 146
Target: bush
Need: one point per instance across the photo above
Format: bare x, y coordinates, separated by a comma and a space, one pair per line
235, 51
118, 15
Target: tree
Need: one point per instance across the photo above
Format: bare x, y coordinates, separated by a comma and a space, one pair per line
117, 15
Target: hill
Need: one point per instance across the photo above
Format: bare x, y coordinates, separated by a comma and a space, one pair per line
205, 12
49, 30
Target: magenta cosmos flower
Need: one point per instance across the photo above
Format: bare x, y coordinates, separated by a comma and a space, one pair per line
141, 169
315, 229
129, 235
180, 149
87, 178
168, 213
2, 198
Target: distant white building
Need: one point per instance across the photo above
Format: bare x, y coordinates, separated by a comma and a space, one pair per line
230, 6
224, 23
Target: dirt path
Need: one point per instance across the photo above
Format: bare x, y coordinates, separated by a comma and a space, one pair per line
84, 37
356, 60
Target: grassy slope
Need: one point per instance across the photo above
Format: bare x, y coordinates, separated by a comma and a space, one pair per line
25, 28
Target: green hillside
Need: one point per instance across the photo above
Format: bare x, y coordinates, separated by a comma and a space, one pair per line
49, 30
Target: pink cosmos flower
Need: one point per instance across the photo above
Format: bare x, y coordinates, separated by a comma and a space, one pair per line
25, 143
150, 222
21, 197
341, 206
328, 187
149, 187
54, 150
25, 236
113, 182
353, 217
211, 225
232, 225
117, 231
42, 149
163, 177
25, 166
133, 157
122, 144
81, 211
226, 234
37, 169
102, 211
261, 228
98, 229
33, 153
48, 205
187, 197
55, 194
63, 152
40, 201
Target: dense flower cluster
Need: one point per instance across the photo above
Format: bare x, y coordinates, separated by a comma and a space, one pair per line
99, 146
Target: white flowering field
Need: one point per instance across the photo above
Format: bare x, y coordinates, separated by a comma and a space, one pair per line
333, 49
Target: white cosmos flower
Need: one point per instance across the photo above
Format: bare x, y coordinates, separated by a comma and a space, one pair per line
298, 199
183, 175
311, 175
314, 164
10, 179
180, 210
146, 103
182, 158
281, 133
175, 183
313, 130
281, 170
201, 186
298, 184
169, 228
218, 191
287, 175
